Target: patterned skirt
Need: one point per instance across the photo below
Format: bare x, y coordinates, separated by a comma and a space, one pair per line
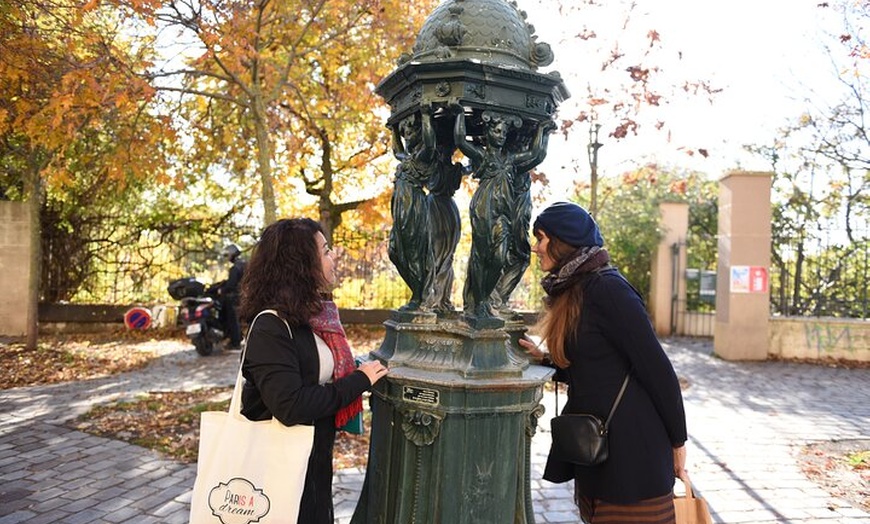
658, 510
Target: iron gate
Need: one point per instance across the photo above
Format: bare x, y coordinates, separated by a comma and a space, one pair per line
693, 297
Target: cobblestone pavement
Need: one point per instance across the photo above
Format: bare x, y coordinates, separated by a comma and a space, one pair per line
747, 424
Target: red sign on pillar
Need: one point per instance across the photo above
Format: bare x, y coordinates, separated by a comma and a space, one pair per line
757, 279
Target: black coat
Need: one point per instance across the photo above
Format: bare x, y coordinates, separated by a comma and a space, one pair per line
616, 337
281, 380
229, 289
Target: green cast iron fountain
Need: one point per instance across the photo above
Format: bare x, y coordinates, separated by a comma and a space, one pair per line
452, 424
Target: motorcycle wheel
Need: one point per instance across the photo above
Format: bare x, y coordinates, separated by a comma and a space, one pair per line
203, 346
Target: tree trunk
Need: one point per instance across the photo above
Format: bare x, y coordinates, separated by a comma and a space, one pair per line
329, 219
264, 162
33, 191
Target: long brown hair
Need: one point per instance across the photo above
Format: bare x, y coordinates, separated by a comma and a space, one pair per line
560, 318
284, 272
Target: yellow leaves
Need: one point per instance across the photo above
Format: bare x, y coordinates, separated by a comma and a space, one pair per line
59, 177
115, 172
678, 187
145, 9
376, 210
209, 38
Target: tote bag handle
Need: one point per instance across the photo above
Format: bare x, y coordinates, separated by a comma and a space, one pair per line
236, 401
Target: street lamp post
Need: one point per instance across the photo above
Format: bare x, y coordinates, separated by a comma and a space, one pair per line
592, 151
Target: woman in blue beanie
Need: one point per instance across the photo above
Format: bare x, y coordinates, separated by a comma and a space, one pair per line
598, 333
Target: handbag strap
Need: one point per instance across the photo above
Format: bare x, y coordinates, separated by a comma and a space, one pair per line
617, 401
236, 402
690, 493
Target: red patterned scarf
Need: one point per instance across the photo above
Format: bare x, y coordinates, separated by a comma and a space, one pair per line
328, 326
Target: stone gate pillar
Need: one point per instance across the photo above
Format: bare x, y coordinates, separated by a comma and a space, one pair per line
742, 285
14, 267
667, 277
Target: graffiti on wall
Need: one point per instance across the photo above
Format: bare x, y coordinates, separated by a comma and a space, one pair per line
825, 338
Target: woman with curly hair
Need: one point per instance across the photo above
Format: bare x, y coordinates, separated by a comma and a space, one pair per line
306, 375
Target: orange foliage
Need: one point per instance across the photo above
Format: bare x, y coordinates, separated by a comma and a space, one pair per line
70, 75
295, 80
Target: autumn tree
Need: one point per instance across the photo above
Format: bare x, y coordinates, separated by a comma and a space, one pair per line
624, 75
629, 217
821, 184
71, 100
285, 90
338, 142
821, 196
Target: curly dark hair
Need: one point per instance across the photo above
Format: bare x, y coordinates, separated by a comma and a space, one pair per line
284, 272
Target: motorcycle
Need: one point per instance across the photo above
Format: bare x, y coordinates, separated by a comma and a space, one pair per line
200, 313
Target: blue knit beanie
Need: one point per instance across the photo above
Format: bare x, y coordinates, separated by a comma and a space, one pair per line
571, 224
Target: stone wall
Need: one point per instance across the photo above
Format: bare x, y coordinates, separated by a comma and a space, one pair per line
820, 338
14, 267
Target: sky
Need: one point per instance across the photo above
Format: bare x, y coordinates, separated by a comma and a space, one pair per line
766, 55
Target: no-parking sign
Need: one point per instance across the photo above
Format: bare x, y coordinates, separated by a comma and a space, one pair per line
137, 318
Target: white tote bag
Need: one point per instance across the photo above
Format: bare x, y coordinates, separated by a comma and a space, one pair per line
249, 471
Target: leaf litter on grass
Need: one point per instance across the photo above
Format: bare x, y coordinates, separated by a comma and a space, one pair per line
168, 422
841, 467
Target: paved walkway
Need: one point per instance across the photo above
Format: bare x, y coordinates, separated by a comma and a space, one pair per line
747, 423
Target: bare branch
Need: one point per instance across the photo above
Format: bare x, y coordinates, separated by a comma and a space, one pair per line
207, 94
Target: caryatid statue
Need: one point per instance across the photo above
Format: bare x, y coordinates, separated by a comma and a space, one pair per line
496, 210
409, 249
472, 78
519, 248
444, 226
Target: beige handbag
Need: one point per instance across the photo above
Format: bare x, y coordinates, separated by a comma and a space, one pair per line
691, 509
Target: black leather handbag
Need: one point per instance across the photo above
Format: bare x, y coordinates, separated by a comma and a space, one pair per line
581, 438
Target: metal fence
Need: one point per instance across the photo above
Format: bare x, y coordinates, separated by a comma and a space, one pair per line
368, 278
693, 292
370, 281
822, 273
695, 316
816, 274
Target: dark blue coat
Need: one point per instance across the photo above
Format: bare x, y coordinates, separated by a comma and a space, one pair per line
616, 337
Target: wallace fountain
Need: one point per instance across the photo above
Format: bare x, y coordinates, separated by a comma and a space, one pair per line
452, 424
